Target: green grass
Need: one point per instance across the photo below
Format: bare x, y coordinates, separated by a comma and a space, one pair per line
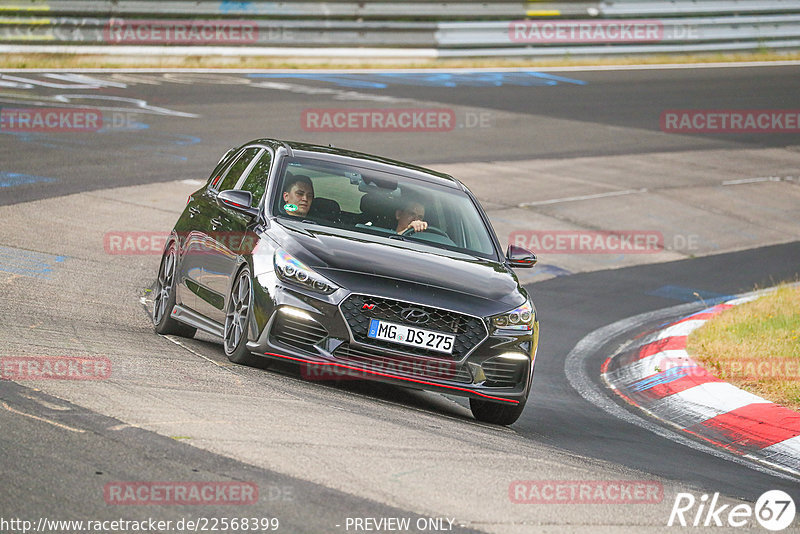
756, 346
48, 61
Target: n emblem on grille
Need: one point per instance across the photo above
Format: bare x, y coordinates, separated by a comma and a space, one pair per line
368, 306
415, 315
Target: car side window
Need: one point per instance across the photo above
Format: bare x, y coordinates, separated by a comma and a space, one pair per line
256, 181
238, 167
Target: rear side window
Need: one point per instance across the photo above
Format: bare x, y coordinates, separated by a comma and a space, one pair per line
216, 176
238, 167
256, 181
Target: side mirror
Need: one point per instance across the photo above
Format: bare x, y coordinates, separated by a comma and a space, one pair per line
239, 200
520, 257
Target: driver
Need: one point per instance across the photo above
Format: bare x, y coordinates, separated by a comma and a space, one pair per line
298, 194
410, 215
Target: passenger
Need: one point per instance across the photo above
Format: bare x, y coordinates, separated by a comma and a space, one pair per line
410, 215
298, 194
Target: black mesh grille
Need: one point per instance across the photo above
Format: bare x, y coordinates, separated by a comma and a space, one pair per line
502, 372
422, 368
298, 333
469, 331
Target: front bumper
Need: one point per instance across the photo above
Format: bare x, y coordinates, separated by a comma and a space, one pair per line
323, 335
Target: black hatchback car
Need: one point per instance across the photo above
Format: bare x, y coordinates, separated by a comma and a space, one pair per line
353, 266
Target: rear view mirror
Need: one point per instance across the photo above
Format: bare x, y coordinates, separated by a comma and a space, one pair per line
520, 257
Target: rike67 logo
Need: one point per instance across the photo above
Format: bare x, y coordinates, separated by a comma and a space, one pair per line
774, 510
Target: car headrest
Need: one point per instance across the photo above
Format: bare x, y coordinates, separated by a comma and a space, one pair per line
377, 204
325, 207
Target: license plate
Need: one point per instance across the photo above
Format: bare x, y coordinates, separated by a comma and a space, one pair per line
411, 336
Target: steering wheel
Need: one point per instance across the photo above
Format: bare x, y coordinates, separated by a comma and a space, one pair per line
431, 229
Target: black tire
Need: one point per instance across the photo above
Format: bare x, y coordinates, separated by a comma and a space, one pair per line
164, 298
238, 312
495, 412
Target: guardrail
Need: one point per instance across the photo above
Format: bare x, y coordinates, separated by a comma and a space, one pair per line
449, 29
678, 8
389, 9
408, 9
652, 31
224, 32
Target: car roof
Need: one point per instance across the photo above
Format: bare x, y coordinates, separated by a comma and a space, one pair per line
345, 156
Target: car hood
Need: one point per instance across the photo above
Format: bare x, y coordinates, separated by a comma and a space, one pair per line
363, 263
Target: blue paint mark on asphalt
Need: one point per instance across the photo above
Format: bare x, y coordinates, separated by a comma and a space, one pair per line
706, 310
541, 269
686, 294
28, 263
382, 80
11, 179
176, 139
158, 141
186, 140
49, 141
342, 80
128, 126
664, 377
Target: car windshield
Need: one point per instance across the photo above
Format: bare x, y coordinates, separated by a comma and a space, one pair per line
379, 203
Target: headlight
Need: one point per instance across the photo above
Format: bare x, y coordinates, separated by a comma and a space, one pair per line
290, 269
519, 319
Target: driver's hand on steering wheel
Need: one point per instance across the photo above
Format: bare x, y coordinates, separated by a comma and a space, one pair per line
418, 226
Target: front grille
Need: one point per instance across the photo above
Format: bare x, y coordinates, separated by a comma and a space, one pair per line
398, 364
469, 331
297, 333
501, 372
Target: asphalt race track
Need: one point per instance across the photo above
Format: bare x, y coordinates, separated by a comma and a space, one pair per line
579, 151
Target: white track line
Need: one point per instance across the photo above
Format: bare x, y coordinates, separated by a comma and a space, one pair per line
703, 402
584, 68
582, 197
42, 419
